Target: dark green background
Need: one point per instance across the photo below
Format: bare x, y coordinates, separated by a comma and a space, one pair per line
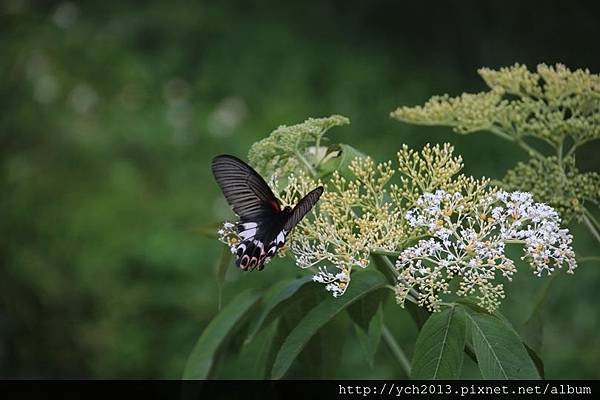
111, 111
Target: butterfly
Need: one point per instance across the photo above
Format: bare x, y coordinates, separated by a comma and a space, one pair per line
263, 226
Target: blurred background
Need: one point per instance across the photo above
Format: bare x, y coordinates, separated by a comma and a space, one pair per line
111, 111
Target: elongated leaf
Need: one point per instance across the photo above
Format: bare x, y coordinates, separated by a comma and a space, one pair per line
369, 339
499, 349
533, 329
252, 360
420, 315
200, 361
362, 284
537, 360
362, 311
321, 357
290, 315
440, 345
385, 266
472, 304
276, 303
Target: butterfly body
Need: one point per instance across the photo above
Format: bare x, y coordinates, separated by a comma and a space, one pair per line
264, 226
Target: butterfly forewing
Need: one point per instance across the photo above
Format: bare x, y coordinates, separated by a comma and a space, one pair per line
245, 190
263, 226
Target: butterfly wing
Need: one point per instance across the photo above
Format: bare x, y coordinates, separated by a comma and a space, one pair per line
245, 190
290, 220
302, 208
256, 205
263, 226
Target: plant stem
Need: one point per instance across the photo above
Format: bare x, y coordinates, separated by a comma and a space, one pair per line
383, 252
592, 218
572, 149
588, 222
396, 350
414, 295
306, 164
530, 150
560, 154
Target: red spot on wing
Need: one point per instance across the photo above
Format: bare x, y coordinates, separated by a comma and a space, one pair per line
276, 205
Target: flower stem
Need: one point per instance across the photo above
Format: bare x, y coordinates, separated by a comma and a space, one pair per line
530, 150
592, 218
384, 252
306, 164
590, 225
396, 350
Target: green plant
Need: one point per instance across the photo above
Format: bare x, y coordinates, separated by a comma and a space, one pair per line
549, 113
434, 237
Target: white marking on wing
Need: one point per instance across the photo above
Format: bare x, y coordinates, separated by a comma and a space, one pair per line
280, 238
248, 233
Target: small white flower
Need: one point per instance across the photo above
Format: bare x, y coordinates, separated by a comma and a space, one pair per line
472, 245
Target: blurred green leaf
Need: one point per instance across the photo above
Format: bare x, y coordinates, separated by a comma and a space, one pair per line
499, 349
369, 339
201, 359
321, 357
362, 284
253, 359
439, 349
537, 360
276, 302
362, 311
533, 328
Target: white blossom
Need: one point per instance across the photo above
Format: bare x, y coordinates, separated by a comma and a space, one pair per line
468, 239
334, 283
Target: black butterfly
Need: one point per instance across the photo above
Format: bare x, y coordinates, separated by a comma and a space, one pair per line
263, 225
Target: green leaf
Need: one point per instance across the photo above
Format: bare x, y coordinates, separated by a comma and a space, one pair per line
367, 315
419, 314
362, 284
537, 360
369, 339
277, 302
253, 359
499, 349
385, 266
362, 311
322, 355
200, 361
533, 329
439, 349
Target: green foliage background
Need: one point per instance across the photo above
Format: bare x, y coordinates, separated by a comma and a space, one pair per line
111, 112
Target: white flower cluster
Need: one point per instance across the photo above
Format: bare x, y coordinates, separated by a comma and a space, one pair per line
468, 235
335, 283
228, 234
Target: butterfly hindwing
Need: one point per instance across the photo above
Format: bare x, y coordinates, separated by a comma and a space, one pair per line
263, 226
